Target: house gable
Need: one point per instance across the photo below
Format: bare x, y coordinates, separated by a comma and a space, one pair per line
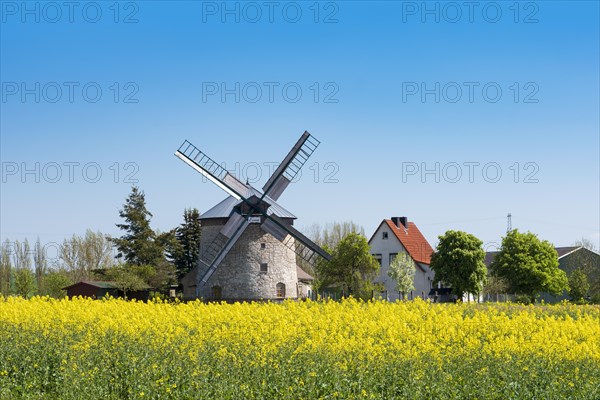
411, 240
387, 242
580, 257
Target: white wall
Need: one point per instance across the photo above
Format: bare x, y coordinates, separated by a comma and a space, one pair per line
423, 280
305, 290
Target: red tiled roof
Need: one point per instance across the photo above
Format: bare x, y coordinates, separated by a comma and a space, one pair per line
413, 240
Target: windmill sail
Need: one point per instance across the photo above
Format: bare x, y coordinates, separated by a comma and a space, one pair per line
290, 166
282, 177
303, 246
205, 165
218, 249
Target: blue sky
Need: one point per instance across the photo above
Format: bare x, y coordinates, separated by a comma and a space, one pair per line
390, 88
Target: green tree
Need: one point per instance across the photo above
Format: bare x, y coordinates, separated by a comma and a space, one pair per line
165, 271
352, 267
185, 250
529, 264
158, 276
495, 285
24, 279
402, 270
164, 275
126, 279
458, 262
54, 281
138, 245
589, 261
578, 285
5, 268
24, 282
41, 265
318, 270
21, 255
327, 237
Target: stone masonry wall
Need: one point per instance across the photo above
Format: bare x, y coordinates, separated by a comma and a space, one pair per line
239, 275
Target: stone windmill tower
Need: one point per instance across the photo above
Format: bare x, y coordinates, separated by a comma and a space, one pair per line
249, 245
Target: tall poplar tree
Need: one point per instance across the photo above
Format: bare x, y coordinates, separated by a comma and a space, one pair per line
5, 268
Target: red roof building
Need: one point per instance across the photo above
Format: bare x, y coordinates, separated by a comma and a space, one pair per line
413, 240
397, 235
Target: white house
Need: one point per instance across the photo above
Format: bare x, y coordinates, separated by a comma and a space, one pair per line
397, 235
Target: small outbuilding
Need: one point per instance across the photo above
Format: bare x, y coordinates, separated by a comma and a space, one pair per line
100, 289
305, 284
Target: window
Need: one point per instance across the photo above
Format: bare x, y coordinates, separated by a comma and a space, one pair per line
216, 292
392, 256
280, 290
378, 258
264, 268
385, 235
263, 246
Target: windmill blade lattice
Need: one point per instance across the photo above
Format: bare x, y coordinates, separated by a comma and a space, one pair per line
202, 163
290, 237
218, 249
291, 166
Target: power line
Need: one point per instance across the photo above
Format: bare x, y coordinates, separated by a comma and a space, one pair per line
462, 221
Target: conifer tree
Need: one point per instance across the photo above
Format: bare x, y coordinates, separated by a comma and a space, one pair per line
185, 252
138, 245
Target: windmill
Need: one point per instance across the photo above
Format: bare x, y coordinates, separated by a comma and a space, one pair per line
230, 265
